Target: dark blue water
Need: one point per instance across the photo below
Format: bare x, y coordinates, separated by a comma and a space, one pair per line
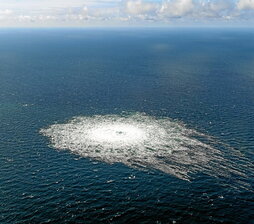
202, 77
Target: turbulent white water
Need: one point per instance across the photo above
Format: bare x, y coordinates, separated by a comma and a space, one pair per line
141, 141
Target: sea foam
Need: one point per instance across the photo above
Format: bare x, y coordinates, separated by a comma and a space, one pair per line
144, 142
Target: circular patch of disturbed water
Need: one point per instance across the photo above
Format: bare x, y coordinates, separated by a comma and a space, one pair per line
142, 141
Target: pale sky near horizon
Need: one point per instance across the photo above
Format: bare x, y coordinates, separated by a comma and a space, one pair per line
83, 13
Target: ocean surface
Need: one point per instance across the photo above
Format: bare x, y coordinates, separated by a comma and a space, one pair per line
127, 125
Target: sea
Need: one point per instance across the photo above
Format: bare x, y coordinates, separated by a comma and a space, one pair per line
127, 125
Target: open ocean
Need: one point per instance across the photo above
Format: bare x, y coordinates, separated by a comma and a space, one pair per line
127, 125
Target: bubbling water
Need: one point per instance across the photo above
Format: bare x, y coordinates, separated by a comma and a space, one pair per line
120, 134
143, 142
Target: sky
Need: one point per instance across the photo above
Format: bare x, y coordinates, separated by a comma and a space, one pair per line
89, 13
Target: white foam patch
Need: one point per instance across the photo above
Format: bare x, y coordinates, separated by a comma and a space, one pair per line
141, 141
